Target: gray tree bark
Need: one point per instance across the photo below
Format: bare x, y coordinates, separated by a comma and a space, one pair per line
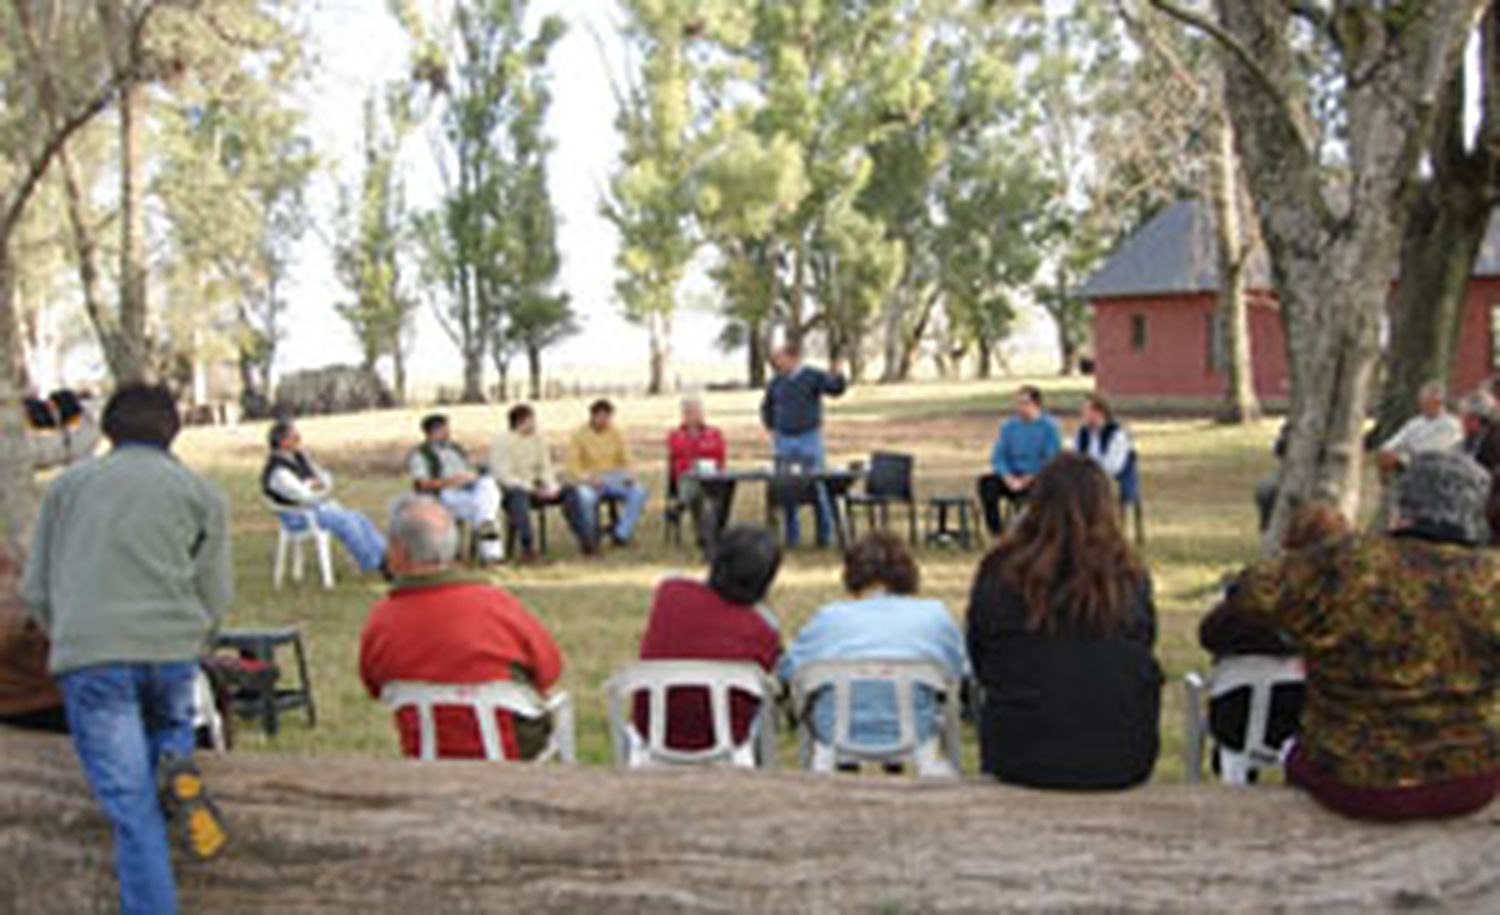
1241, 405
381, 837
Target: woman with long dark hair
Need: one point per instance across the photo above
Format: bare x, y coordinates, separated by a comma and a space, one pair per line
1061, 626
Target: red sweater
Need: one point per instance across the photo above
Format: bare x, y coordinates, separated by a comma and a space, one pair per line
687, 447
450, 630
690, 622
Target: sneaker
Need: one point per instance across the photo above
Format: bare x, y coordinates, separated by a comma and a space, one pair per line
194, 815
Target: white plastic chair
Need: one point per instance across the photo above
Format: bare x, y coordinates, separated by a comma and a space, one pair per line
1261, 674
485, 700
206, 717
721, 679
295, 527
939, 755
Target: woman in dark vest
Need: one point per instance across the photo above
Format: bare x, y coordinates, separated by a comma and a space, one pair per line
1061, 627
1102, 439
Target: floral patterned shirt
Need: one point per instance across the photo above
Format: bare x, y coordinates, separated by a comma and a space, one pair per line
1401, 636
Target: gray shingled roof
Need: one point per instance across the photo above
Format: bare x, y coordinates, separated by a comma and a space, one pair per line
1174, 254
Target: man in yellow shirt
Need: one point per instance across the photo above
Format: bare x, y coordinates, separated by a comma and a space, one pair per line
599, 464
522, 465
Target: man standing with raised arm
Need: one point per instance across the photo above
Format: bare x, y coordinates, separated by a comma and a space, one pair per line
792, 412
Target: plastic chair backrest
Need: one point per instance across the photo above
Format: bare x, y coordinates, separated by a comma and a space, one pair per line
890, 475
721, 679
485, 700
905, 677
206, 715
1261, 675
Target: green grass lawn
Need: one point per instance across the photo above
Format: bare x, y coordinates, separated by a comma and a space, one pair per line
1200, 524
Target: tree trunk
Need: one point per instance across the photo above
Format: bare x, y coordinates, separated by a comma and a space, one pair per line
473, 390
1241, 406
659, 330
17, 486
534, 370
398, 373
986, 357
797, 300
135, 349
757, 353
387, 837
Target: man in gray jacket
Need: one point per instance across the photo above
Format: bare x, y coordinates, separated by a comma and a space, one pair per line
130, 576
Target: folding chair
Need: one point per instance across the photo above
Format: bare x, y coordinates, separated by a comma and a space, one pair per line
721, 680
295, 527
937, 755
888, 481
1268, 689
485, 700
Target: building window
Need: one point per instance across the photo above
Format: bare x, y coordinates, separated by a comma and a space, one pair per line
1495, 336
1214, 353
1138, 333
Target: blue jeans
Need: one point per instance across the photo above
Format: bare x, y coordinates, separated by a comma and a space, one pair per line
357, 533
125, 718
805, 450
621, 486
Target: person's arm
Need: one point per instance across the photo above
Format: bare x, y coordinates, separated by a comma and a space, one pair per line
768, 409
1280, 593
371, 655
622, 450
36, 578
576, 470
950, 645
1399, 443
212, 559
833, 384
1118, 454
1000, 456
547, 474
503, 465
718, 448
421, 478
285, 484
543, 657
1051, 439
811, 644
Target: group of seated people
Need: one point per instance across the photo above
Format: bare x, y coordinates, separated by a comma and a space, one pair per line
1031, 437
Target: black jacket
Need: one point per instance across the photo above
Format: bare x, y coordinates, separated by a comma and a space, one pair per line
794, 403
1064, 710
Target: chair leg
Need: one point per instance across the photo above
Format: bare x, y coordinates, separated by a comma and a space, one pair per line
305, 684
299, 557
1140, 523
278, 562
325, 558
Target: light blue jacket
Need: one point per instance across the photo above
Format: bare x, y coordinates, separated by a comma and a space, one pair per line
884, 627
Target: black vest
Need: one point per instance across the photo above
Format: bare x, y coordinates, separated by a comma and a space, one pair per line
297, 463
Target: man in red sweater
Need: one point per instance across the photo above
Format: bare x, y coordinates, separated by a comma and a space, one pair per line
693, 447
439, 627
720, 620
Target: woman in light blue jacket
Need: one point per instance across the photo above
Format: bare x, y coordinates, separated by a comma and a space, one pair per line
883, 620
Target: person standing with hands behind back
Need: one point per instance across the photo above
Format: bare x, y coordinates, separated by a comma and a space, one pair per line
130, 575
792, 411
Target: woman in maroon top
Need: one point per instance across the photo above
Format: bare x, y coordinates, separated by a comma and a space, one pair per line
719, 620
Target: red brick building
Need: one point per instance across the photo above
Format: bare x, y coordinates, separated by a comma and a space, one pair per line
1153, 304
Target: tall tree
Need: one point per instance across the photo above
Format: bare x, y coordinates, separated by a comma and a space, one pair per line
374, 224
483, 67
1328, 229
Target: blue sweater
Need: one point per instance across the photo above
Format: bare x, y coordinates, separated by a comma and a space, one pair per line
880, 628
1025, 446
793, 404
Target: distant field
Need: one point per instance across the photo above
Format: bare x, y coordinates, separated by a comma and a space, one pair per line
1200, 524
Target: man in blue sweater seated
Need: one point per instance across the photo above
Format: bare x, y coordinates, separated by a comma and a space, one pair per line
793, 413
1027, 441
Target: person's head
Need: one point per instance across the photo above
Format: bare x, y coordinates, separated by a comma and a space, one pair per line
283, 436
1443, 494
1096, 412
1432, 398
435, 427
692, 412
1067, 556
522, 419
786, 358
1314, 524
601, 414
1028, 402
1476, 410
142, 414
881, 561
745, 561
423, 536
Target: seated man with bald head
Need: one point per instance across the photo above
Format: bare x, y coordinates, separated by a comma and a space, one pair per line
438, 626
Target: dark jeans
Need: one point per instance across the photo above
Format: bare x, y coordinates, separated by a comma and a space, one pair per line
518, 504
126, 718
992, 489
48, 720
709, 505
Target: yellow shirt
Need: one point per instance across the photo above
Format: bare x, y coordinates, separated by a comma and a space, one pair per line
522, 462
592, 453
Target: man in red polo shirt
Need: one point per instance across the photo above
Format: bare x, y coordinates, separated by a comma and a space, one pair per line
692, 446
437, 626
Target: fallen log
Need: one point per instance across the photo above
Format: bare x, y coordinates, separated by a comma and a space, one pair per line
346, 835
